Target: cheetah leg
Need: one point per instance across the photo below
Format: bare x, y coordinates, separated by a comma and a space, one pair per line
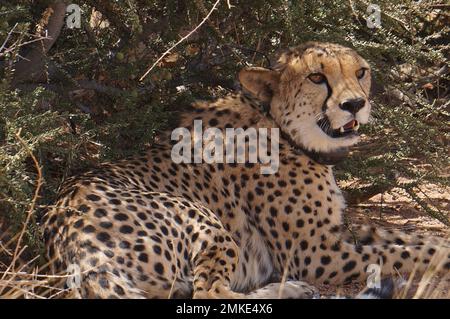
287, 290
103, 284
212, 276
369, 235
344, 262
96, 281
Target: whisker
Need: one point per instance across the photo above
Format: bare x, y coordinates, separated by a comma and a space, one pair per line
319, 116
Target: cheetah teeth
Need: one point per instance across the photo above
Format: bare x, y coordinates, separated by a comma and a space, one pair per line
350, 126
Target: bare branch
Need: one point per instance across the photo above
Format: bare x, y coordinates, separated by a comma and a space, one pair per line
7, 38
180, 41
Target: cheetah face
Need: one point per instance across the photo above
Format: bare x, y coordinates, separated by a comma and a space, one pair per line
318, 94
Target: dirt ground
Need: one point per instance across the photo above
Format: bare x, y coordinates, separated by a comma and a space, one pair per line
396, 211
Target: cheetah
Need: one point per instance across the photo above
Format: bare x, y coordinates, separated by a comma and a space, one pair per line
148, 227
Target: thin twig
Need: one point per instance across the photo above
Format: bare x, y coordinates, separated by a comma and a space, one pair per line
7, 37
180, 41
35, 197
23, 44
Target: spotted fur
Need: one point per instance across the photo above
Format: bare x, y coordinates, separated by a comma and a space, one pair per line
149, 228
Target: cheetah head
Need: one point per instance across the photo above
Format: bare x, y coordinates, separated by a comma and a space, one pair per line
318, 95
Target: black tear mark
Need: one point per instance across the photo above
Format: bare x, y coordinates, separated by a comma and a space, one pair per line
329, 93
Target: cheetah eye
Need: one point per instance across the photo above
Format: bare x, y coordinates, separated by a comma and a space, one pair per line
360, 73
317, 78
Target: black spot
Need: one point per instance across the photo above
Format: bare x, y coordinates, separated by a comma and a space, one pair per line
154, 205
109, 253
139, 247
124, 244
159, 268
319, 272
178, 220
120, 217
282, 183
405, 255
93, 197
304, 245
307, 260
367, 240
336, 246
143, 257
157, 249
119, 290
307, 209
213, 122
115, 201
231, 253
273, 212
349, 266
103, 237
334, 229
288, 209
325, 260
288, 244
142, 216
398, 265
168, 204
89, 229
164, 230
106, 225
274, 233
83, 208
125, 229
78, 224
352, 277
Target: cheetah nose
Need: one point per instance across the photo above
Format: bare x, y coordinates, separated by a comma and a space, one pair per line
353, 105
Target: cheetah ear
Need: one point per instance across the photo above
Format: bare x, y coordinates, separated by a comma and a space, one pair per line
261, 83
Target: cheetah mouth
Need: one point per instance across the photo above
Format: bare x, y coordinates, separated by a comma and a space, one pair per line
349, 129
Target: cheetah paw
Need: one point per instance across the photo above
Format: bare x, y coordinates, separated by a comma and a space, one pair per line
287, 290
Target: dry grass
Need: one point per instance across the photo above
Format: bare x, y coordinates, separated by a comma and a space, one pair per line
19, 275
